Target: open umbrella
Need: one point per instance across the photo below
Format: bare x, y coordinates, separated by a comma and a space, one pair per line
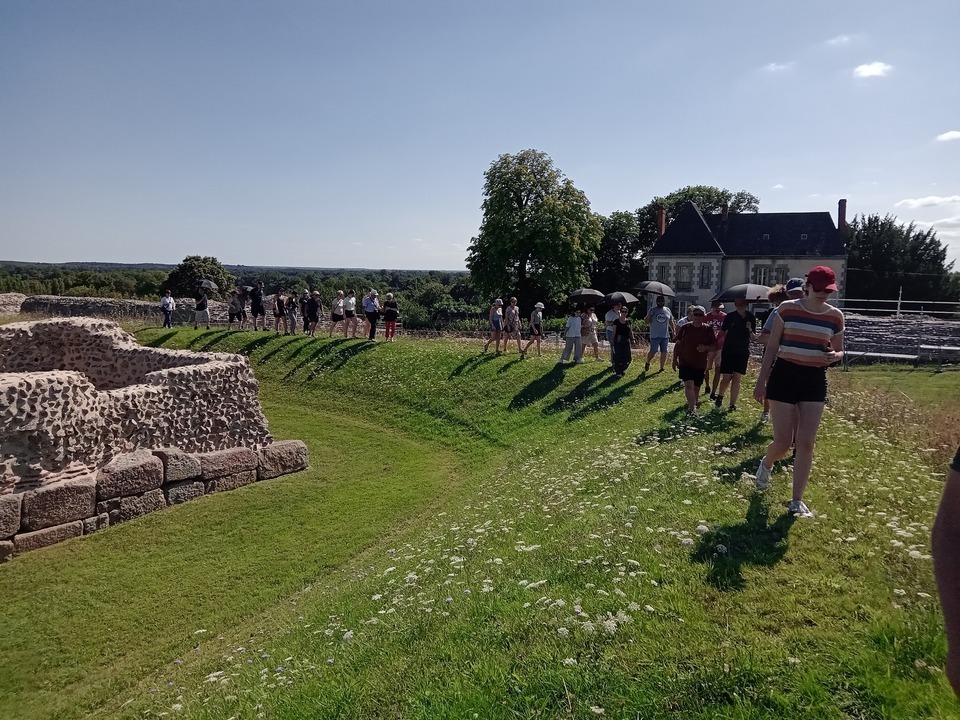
746, 291
585, 295
620, 298
657, 288
248, 288
209, 284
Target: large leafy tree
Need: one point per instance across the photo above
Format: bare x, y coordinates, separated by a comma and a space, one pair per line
185, 277
708, 198
885, 255
538, 237
616, 264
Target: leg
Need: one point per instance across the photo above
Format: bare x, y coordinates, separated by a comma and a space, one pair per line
578, 349
690, 390
567, 347
725, 380
784, 416
808, 423
734, 388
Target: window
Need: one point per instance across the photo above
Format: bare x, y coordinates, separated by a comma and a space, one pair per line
803, 236
766, 236
781, 274
706, 275
663, 272
682, 306
684, 277
762, 274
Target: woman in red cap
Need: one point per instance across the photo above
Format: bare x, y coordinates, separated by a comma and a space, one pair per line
807, 337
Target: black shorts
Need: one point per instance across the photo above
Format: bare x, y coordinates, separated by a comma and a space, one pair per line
536, 330
792, 383
691, 373
312, 318
733, 362
238, 316
336, 318
350, 313
257, 311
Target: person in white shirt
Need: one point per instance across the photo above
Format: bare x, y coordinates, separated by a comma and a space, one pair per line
350, 313
573, 340
168, 305
611, 316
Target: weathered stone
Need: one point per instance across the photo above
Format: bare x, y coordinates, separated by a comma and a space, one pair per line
58, 503
97, 522
181, 492
132, 507
231, 482
130, 474
107, 506
227, 462
177, 465
6, 550
48, 536
280, 458
9, 515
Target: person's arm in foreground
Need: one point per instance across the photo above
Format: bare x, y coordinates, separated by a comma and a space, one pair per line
946, 566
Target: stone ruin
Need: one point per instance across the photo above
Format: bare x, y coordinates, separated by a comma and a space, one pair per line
96, 429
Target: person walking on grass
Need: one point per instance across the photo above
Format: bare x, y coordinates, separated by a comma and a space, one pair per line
511, 325
572, 339
536, 328
695, 341
622, 339
391, 313
336, 314
280, 311
686, 318
738, 329
257, 307
312, 311
168, 305
609, 318
235, 310
714, 319
371, 309
793, 290
588, 332
945, 543
662, 327
496, 325
806, 338
350, 313
202, 310
304, 299
291, 305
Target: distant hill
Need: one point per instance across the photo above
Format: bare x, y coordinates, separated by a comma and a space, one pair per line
233, 269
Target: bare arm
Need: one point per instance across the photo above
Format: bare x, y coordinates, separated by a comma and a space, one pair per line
946, 565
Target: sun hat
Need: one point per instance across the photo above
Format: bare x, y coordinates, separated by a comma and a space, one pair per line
498, 301
374, 293
822, 278
539, 306
698, 309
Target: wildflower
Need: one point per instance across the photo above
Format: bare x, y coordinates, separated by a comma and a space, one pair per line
597, 710
610, 626
563, 632
569, 662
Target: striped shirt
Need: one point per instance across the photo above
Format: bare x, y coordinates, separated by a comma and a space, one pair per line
807, 335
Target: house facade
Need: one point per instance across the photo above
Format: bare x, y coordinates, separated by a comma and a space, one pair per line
699, 255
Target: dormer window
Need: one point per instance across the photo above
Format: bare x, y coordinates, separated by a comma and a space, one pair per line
803, 236
766, 236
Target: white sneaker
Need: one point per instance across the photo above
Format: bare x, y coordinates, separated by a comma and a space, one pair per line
762, 478
798, 508
764, 416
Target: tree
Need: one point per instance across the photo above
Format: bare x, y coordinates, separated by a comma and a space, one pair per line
708, 198
615, 266
185, 277
538, 236
885, 255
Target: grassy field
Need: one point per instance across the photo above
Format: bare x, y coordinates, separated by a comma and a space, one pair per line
484, 537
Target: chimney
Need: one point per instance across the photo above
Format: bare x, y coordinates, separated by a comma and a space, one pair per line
842, 215
724, 212
661, 222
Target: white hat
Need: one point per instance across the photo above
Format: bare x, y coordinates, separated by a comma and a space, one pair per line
374, 293
498, 301
539, 306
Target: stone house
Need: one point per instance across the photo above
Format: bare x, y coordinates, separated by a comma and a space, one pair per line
699, 255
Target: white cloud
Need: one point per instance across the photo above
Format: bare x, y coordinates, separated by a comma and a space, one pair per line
839, 40
778, 67
418, 240
778, 186
874, 69
949, 135
929, 201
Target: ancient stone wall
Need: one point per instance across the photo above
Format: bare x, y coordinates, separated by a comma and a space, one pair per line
115, 309
79, 395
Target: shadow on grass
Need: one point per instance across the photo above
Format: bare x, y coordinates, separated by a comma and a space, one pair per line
506, 366
662, 392
678, 425
208, 339
585, 389
160, 340
538, 389
324, 348
255, 344
621, 390
284, 342
728, 548
471, 364
341, 356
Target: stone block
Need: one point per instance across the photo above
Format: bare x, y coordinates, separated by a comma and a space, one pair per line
177, 465
282, 457
97, 522
25, 542
133, 507
129, 474
6, 550
181, 492
9, 515
221, 463
232, 482
58, 503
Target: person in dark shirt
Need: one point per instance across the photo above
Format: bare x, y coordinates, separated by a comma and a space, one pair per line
312, 310
946, 567
695, 341
202, 314
391, 313
622, 337
257, 308
736, 332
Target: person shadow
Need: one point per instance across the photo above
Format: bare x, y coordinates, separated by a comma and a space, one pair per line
538, 389
726, 549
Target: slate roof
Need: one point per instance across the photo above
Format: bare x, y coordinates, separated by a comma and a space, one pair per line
693, 233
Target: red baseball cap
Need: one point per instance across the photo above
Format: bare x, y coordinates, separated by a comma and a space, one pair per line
822, 278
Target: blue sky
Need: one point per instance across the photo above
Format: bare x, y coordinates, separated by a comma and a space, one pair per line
356, 134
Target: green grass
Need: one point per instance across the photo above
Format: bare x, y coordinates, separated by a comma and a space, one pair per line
479, 536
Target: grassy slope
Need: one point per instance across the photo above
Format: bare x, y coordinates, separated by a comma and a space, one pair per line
395, 577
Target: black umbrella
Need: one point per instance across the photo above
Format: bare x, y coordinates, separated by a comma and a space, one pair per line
585, 295
657, 288
209, 284
248, 288
746, 291
620, 298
